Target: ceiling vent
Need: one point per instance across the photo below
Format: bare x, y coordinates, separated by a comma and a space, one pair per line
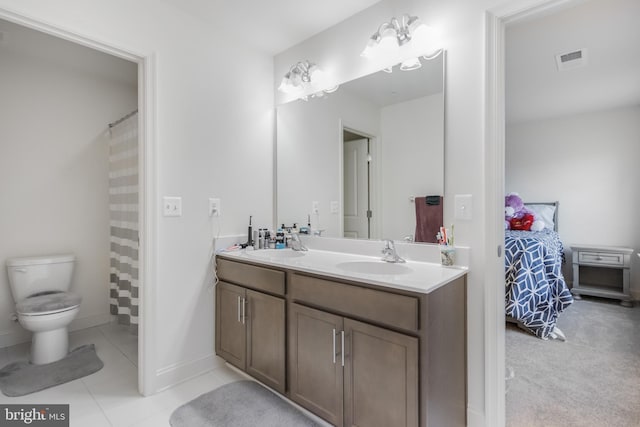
571, 60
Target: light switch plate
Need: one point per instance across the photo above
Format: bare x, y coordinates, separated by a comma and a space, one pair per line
334, 207
172, 206
463, 206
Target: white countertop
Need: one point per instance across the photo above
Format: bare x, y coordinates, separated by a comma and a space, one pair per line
421, 277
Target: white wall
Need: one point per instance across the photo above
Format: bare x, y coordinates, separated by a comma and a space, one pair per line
311, 131
589, 163
412, 135
462, 32
214, 115
57, 100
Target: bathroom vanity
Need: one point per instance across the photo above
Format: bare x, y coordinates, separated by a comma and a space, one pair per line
350, 338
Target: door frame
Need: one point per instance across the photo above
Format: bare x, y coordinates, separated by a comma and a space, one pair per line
496, 20
147, 182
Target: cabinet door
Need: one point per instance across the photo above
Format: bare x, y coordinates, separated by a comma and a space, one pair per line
266, 339
315, 367
230, 324
381, 377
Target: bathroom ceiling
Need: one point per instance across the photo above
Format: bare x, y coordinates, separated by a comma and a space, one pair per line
608, 29
274, 25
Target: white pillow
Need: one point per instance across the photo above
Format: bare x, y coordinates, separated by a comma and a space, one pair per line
545, 213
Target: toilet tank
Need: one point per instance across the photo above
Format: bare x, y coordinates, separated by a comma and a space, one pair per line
31, 275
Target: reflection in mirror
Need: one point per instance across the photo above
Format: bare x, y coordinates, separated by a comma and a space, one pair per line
363, 153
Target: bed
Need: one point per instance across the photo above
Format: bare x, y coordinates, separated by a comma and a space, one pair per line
536, 292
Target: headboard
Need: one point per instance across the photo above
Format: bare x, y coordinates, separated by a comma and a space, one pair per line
544, 207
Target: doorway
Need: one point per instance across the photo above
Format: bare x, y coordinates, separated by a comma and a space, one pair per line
144, 210
356, 202
497, 20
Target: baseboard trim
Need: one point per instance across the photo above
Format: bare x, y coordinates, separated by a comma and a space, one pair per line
20, 336
475, 418
177, 373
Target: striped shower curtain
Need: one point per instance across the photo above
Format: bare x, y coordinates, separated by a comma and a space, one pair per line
123, 220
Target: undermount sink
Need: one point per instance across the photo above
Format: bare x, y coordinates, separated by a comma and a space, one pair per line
275, 253
374, 267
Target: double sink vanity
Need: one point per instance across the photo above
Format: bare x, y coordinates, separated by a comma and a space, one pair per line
351, 338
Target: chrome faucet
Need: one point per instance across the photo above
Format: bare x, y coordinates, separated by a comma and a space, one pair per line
296, 243
389, 253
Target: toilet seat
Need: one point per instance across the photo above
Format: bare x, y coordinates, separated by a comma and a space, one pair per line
44, 303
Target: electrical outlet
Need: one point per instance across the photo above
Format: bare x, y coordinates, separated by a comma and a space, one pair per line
333, 207
215, 207
172, 206
315, 207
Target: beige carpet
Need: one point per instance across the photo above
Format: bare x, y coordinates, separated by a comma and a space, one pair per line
592, 379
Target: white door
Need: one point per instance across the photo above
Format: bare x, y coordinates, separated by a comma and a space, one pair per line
356, 189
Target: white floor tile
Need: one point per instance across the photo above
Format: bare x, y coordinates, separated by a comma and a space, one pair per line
95, 419
73, 393
109, 397
184, 392
134, 411
114, 392
160, 419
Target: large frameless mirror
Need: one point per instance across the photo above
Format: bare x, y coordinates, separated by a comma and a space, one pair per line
352, 162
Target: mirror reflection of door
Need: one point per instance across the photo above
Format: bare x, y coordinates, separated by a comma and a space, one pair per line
357, 186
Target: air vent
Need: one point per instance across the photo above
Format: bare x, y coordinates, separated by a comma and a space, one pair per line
571, 60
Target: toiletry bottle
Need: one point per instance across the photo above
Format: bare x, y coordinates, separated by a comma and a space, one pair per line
261, 238
272, 240
280, 239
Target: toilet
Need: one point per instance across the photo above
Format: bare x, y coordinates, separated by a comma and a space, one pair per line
40, 287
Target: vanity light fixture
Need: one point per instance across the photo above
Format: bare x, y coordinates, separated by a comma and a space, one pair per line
392, 35
304, 75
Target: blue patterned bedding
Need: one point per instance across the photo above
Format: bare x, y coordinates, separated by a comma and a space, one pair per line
536, 292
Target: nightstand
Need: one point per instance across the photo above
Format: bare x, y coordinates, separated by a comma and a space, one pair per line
602, 271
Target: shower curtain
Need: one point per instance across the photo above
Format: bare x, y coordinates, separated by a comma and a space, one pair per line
123, 220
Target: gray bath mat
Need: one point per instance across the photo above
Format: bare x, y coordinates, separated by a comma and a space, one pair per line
239, 404
20, 378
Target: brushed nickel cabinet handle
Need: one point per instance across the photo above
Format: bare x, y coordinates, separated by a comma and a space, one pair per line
239, 298
342, 350
333, 338
244, 310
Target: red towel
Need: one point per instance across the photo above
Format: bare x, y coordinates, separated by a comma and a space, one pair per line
428, 220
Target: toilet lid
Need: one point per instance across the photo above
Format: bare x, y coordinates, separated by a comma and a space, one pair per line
47, 303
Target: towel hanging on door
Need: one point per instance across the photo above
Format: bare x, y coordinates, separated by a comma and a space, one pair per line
428, 218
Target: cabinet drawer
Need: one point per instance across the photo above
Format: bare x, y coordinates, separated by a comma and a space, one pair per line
601, 258
251, 276
383, 307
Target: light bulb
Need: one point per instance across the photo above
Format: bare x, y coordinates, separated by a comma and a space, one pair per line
388, 44
370, 47
285, 84
410, 64
421, 35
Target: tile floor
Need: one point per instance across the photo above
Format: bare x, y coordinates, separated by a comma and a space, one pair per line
109, 397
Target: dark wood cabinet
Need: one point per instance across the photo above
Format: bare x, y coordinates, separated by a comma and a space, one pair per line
380, 377
230, 327
353, 353
266, 339
352, 373
250, 332
315, 362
